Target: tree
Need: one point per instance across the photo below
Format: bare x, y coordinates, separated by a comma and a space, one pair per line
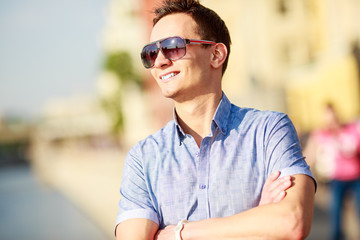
121, 65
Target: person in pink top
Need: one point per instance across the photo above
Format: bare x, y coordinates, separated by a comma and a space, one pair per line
336, 151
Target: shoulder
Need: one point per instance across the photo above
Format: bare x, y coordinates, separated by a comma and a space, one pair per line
262, 125
257, 118
157, 140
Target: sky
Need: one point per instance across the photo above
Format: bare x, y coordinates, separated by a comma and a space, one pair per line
48, 49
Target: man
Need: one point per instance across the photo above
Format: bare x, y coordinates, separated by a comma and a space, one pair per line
205, 170
334, 152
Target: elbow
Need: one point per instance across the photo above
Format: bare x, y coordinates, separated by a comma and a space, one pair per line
299, 225
299, 233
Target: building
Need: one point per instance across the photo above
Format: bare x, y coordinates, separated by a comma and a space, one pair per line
287, 55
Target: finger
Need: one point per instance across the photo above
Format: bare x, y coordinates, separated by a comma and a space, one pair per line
266, 194
282, 187
279, 197
280, 184
272, 178
277, 192
287, 182
274, 175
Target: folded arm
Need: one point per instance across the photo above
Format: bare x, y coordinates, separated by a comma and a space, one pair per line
273, 191
136, 229
290, 218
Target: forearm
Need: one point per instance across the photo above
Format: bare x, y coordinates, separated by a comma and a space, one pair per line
289, 219
264, 222
136, 229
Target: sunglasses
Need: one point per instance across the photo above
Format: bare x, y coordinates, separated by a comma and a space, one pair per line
173, 48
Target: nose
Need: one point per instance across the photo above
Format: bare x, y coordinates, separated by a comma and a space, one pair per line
161, 60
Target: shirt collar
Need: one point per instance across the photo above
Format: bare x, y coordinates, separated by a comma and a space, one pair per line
221, 116
220, 119
180, 132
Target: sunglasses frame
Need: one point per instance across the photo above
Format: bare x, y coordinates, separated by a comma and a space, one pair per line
158, 47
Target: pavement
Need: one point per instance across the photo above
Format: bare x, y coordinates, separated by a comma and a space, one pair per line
320, 225
321, 219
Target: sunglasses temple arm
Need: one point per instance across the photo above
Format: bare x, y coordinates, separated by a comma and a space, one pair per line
192, 41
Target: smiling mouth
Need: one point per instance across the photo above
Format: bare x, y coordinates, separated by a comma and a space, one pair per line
168, 76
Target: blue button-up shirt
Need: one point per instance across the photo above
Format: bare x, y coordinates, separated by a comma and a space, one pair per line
167, 177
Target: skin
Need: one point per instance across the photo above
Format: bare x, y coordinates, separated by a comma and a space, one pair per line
196, 91
288, 219
274, 191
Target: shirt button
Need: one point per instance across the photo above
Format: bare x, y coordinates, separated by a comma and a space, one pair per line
202, 186
197, 154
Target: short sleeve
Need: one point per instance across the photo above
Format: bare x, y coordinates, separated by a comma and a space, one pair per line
135, 201
282, 148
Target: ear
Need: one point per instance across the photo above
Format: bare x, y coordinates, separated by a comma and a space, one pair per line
218, 55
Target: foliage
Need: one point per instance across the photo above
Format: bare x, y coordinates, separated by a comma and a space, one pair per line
120, 63
113, 108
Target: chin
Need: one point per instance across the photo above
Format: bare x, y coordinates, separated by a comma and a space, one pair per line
166, 90
169, 95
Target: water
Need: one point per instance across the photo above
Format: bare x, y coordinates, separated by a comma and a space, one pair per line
31, 211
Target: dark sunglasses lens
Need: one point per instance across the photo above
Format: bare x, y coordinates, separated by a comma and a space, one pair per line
148, 55
173, 48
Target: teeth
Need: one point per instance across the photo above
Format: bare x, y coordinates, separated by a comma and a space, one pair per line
168, 76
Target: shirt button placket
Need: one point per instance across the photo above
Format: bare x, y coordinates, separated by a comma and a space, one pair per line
203, 178
202, 186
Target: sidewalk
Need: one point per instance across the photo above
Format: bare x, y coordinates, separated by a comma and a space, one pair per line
321, 219
90, 179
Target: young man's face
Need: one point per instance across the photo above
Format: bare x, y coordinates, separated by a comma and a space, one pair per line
190, 74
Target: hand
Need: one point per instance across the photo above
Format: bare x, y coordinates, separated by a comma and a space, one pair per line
168, 233
274, 189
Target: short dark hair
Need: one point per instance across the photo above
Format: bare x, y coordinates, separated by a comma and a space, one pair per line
210, 25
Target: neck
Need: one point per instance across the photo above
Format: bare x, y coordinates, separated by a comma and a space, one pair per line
195, 116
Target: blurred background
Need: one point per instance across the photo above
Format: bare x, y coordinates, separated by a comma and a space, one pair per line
74, 98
